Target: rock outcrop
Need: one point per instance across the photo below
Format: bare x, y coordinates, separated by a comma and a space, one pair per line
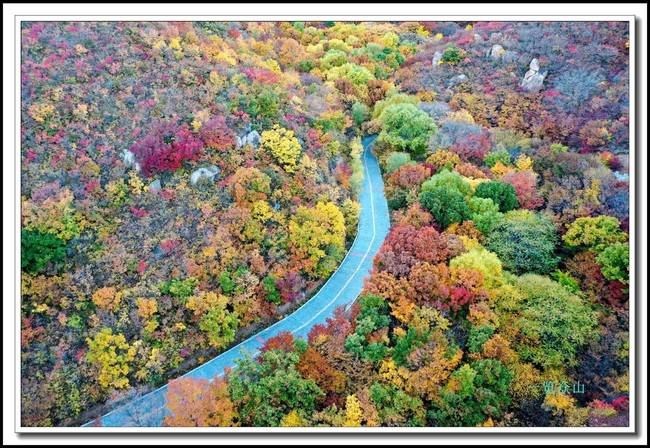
129, 160
496, 52
533, 79
205, 173
155, 186
458, 79
252, 138
437, 57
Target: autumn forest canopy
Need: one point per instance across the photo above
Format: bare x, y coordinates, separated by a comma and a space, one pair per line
184, 185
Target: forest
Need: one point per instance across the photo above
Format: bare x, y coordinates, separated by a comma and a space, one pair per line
185, 185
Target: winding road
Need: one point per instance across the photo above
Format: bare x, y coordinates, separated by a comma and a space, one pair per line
341, 289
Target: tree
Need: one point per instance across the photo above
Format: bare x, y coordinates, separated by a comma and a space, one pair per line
284, 147
485, 214
107, 298
356, 74
397, 159
177, 287
199, 402
594, 233
353, 413
408, 177
292, 420
406, 128
395, 407
442, 159
584, 267
503, 195
493, 157
265, 391
373, 316
249, 185
317, 238
615, 262
333, 58
525, 241
39, 250
351, 211
406, 245
474, 393
482, 260
271, 290
312, 365
282, 341
554, 323
111, 355
446, 205
291, 286
450, 180
360, 113
356, 179
473, 147
431, 284
215, 319
525, 185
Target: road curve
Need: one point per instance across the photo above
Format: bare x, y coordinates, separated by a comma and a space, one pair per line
342, 288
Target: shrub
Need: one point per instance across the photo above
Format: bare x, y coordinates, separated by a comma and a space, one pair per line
166, 147
38, 250
452, 55
216, 134
178, 288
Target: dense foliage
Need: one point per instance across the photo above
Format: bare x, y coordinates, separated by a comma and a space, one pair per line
186, 184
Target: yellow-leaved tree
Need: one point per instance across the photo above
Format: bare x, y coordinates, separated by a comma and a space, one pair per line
214, 318
284, 147
353, 412
317, 238
110, 354
292, 419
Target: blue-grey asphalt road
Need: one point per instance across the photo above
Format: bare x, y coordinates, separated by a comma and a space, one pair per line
342, 288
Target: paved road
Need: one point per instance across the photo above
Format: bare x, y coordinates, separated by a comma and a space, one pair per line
342, 288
